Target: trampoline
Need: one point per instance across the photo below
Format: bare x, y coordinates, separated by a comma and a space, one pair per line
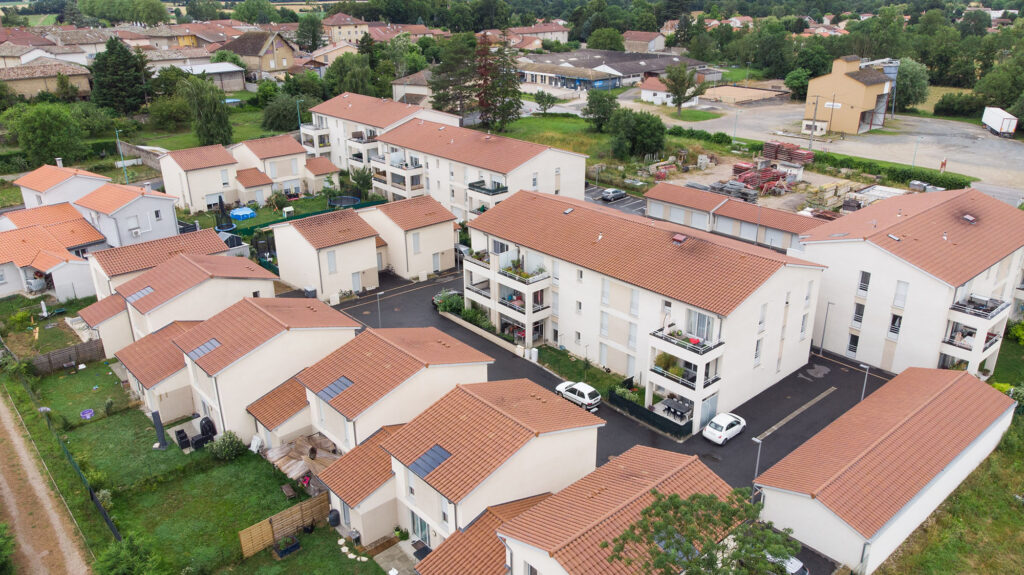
242, 214
343, 201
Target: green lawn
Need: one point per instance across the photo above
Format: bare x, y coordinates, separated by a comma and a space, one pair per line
320, 555
570, 368
54, 333
265, 214
688, 115
195, 519
42, 19
1010, 367
532, 98
10, 195
741, 74
68, 394
245, 124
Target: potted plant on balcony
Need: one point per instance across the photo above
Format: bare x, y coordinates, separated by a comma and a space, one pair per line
664, 361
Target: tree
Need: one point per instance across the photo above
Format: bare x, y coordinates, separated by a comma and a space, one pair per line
6, 550
1003, 84
166, 81
282, 113
683, 84
125, 557
35, 130
499, 98
975, 23
12, 19
310, 33
362, 179
797, 82
453, 81
606, 39
209, 112
599, 109
636, 133
285, 14
349, 73
814, 58
8, 97
675, 535
912, 86
545, 101
119, 78
256, 12
66, 91
203, 10
169, 113
227, 56
266, 92
307, 83
149, 12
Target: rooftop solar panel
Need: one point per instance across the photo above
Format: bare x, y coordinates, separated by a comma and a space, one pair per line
429, 461
337, 386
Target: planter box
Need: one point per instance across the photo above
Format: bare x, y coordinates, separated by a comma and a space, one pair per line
286, 547
505, 344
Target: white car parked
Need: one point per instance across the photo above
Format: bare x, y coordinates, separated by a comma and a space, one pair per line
724, 427
579, 393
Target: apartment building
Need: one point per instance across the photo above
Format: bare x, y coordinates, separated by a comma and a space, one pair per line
720, 214
341, 27
563, 534
484, 444
708, 318
919, 280
418, 234
48, 185
345, 127
243, 352
469, 171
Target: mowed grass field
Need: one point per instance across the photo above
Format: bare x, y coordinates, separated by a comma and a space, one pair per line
936, 92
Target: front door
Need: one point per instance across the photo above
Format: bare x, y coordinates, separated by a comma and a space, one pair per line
437, 262
380, 262
357, 284
420, 529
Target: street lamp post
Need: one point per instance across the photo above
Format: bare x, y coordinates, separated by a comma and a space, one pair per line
735, 123
864, 389
757, 465
298, 114
913, 163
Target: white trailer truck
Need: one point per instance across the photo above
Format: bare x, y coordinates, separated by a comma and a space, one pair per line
999, 122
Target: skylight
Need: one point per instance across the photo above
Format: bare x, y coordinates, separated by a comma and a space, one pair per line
337, 386
429, 461
204, 349
140, 294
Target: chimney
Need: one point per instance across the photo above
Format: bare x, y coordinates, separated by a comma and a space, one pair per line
60, 162
149, 186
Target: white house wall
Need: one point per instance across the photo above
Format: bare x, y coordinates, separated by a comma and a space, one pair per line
359, 257
199, 303
116, 227
521, 556
116, 333
191, 188
297, 260
70, 190
813, 525
72, 280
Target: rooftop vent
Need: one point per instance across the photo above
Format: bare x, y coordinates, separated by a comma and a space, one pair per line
441, 129
678, 239
970, 219
567, 211
893, 237
944, 236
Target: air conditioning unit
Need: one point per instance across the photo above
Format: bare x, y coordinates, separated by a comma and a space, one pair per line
136, 232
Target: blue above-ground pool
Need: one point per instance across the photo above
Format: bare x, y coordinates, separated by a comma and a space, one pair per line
242, 214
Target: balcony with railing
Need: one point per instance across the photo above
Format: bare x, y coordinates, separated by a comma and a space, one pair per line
686, 341
858, 320
363, 138
488, 189
380, 176
985, 308
313, 128
677, 376
862, 289
319, 142
517, 271
520, 302
480, 288
990, 340
481, 258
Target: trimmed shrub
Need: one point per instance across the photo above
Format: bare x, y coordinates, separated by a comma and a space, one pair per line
965, 104
228, 447
896, 174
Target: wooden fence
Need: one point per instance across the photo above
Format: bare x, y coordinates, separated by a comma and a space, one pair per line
85, 352
264, 534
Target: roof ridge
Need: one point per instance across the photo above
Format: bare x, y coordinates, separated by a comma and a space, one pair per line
889, 433
938, 204
502, 412
252, 301
665, 477
395, 345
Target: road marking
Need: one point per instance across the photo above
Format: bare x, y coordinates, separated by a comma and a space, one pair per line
373, 300
801, 409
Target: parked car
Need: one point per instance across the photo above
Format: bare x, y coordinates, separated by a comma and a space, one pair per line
612, 194
579, 393
724, 427
441, 295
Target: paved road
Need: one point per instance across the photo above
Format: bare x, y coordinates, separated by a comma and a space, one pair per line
784, 416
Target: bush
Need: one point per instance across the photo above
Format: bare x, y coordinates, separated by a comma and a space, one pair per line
1016, 332
97, 478
228, 447
452, 303
169, 113
108, 405
19, 321
896, 174
963, 104
125, 557
478, 318
105, 498
627, 394
6, 550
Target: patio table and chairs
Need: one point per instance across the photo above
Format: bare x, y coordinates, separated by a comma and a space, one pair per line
678, 408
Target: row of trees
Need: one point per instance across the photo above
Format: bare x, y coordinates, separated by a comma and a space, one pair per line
474, 77
149, 12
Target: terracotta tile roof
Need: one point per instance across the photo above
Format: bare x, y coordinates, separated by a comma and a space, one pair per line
177, 54
482, 425
706, 270
137, 257
11, 49
477, 549
333, 228
203, 157
379, 360
278, 405
154, 358
539, 28
381, 32
275, 146
639, 36
654, 84
109, 198
868, 464
37, 69
380, 242
361, 471
571, 524
732, 208
104, 309
45, 177
34, 246
252, 177
377, 112
23, 37
183, 272
471, 147
869, 76
74, 233
42, 215
421, 78
320, 166
248, 324
920, 220
342, 19
415, 213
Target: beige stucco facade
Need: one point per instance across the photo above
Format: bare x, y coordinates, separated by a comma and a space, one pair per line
172, 397
286, 172
198, 303
348, 267
414, 254
199, 190
30, 87
836, 102
294, 427
116, 333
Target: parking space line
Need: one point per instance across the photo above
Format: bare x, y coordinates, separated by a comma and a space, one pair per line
853, 367
800, 410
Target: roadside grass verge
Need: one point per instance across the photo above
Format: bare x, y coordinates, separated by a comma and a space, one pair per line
689, 115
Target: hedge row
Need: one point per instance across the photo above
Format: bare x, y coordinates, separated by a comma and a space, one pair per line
896, 174
15, 162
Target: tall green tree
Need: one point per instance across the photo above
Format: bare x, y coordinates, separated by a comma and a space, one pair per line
310, 33
66, 91
911, 84
675, 535
545, 101
227, 56
256, 12
210, 119
203, 9
119, 78
599, 109
797, 82
499, 99
683, 85
8, 97
454, 80
283, 112
48, 131
636, 133
349, 73
605, 39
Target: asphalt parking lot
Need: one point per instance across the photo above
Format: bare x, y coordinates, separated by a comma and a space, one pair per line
629, 204
783, 417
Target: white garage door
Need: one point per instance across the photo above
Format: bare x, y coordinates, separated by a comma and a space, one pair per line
748, 231
724, 225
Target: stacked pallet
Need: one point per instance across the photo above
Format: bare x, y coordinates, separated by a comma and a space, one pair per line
757, 178
787, 152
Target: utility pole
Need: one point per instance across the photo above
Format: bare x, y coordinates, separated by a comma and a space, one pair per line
735, 121
814, 123
832, 113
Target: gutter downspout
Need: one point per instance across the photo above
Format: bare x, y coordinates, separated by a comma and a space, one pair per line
220, 406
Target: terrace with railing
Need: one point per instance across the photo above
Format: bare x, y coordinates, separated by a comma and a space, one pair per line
688, 342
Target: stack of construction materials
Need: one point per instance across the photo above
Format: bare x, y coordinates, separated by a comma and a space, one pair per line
787, 152
734, 189
758, 178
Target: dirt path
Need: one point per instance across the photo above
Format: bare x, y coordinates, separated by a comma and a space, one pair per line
46, 538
